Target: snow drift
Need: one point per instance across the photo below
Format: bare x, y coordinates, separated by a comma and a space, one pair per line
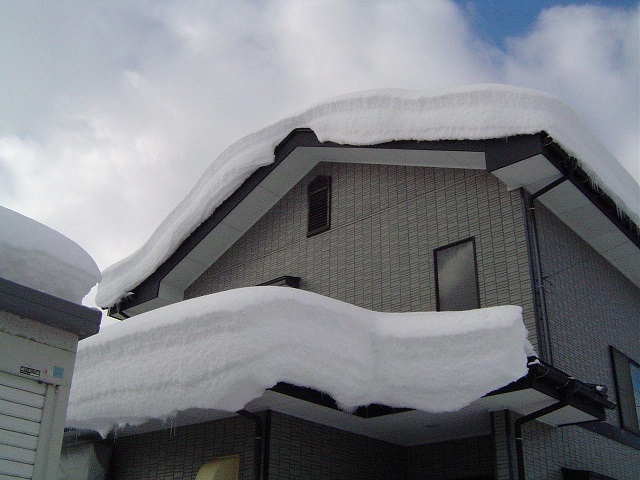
41, 258
223, 350
367, 118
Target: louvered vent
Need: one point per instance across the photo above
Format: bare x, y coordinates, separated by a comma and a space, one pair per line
319, 196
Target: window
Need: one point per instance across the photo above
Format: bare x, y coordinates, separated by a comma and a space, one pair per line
319, 198
457, 276
627, 378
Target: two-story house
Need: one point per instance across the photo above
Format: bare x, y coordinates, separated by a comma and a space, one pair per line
405, 225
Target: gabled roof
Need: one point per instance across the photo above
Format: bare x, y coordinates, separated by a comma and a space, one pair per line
525, 138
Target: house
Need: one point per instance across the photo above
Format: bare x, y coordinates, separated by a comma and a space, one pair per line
43, 278
454, 206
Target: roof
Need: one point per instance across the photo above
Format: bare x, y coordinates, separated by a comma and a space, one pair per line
378, 118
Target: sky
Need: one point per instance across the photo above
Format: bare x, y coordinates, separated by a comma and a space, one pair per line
111, 111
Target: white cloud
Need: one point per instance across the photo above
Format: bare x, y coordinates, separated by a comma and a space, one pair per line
588, 56
111, 113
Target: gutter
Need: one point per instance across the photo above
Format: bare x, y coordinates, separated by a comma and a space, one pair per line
568, 389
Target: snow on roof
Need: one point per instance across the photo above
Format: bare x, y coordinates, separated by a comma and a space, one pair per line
223, 350
41, 258
372, 117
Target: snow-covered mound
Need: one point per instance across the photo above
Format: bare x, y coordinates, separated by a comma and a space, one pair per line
222, 350
367, 118
41, 258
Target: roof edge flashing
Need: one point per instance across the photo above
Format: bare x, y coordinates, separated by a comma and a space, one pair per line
49, 310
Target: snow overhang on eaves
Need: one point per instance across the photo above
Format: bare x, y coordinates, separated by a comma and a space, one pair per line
542, 387
528, 161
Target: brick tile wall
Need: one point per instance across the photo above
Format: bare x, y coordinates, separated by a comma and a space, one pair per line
590, 305
305, 450
548, 449
378, 254
164, 455
299, 449
464, 458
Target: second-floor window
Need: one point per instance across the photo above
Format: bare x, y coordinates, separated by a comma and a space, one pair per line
457, 276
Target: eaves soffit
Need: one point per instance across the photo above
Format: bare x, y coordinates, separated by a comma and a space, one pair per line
576, 200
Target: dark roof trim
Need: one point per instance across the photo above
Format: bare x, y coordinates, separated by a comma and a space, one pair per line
553, 382
507, 151
302, 137
569, 167
325, 400
49, 310
499, 152
544, 378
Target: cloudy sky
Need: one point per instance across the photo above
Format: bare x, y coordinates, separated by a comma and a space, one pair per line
110, 111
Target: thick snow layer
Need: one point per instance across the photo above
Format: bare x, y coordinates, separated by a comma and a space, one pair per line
367, 118
41, 258
222, 350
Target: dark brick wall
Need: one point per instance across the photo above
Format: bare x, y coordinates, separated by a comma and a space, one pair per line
378, 254
305, 450
177, 455
299, 449
464, 458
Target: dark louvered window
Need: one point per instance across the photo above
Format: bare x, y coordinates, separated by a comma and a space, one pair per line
319, 196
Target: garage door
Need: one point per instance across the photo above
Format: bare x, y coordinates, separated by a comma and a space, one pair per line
21, 404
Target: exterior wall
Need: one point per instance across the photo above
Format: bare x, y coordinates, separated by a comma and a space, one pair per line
298, 449
502, 428
179, 455
464, 458
548, 449
589, 303
590, 307
305, 450
378, 254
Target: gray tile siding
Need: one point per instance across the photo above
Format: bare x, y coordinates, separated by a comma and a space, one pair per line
548, 449
590, 304
378, 254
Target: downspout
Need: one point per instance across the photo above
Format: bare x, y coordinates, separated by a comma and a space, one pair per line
262, 437
540, 303
518, 433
